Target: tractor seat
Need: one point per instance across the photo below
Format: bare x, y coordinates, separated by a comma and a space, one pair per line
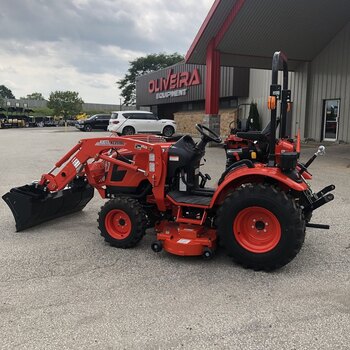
252, 135
256, 135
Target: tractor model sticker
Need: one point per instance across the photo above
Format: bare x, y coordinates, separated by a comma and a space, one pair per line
184, 241
109, 143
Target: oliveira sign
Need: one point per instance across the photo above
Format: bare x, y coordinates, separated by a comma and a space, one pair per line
176, 82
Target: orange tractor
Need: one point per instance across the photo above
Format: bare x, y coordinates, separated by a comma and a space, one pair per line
258, 211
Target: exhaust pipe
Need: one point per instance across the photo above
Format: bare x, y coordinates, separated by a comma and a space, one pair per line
32, 205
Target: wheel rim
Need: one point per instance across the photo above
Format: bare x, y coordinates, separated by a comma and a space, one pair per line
129, 131
118, 224
168, 131
257, 229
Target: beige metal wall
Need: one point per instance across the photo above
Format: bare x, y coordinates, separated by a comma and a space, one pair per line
259, 90
298, 86
330, 79
326, 77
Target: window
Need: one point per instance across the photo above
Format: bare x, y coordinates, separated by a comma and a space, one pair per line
150, 116
330, 119
142, 116
103, 117
234, 103
135, 116
128, 115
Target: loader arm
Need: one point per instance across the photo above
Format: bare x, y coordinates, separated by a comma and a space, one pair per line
77, 161
69, 186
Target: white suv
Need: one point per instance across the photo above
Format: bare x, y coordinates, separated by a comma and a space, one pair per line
132, 122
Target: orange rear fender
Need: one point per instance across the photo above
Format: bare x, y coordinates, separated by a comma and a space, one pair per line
258, 174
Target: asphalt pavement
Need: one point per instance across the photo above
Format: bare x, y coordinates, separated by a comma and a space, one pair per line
63, 287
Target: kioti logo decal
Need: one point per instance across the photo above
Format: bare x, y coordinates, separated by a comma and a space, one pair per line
175, 81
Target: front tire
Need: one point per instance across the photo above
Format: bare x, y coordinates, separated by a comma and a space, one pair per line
261, 227
168, 131
122, 222
88, 128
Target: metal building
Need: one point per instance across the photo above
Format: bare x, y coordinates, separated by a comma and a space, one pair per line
315, 36
181, 87
320, 90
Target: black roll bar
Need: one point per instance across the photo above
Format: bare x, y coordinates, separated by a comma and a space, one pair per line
279, 58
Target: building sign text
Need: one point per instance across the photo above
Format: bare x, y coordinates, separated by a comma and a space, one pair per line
174, 93
174, 81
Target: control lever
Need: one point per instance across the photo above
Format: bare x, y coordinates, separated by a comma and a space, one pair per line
204, 180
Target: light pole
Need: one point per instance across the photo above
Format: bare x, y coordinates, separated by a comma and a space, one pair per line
8, 104
25, 105
17, 106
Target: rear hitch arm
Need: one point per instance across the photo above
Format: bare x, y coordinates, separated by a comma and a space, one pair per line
318, 202
321, 226
320, 152
325, 190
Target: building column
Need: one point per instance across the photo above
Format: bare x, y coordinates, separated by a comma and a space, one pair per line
212, 88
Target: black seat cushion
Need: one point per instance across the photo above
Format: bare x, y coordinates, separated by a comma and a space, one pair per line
252, 135
188, 198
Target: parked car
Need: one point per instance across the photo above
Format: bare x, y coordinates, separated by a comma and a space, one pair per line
49, 123
132, 122
97, 121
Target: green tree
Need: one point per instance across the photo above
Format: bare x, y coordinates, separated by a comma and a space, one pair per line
6, 92
65, 103
38, 96
141, 66
41, 112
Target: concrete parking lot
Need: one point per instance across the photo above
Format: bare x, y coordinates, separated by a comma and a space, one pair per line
62, 287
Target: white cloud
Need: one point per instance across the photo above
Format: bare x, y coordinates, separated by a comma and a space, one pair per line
85, 45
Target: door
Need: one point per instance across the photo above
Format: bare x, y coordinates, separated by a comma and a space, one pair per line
153, 125
99, 122
144, 122
104, 121
137, 122
331, 119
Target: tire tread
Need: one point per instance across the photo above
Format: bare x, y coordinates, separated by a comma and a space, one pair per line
296, 223
139, 224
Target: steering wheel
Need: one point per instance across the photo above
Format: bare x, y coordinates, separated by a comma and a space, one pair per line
209, 135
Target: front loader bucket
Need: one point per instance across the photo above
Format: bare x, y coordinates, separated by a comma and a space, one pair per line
31, 206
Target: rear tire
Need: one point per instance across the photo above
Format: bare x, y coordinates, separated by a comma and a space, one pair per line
128, 130
168, 131
261, 227
122, 222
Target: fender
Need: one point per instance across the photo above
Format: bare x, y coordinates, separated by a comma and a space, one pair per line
257, 174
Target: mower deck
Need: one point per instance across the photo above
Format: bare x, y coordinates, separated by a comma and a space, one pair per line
186, 240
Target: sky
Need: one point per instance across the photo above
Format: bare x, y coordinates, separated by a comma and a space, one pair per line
86, 45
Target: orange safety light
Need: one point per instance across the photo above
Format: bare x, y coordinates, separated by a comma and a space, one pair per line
271, 102
298, 141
